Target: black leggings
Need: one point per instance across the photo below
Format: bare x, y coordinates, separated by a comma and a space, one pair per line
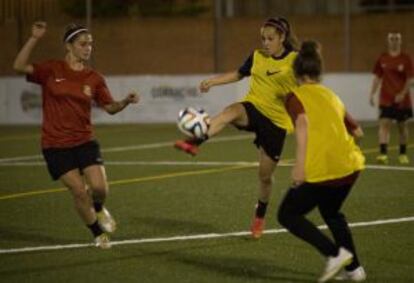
301, 200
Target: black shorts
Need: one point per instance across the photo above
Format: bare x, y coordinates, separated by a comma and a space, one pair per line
61, 160
394, 113
268, 136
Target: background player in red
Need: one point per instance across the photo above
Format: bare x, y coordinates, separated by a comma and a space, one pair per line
69, 89
393, 72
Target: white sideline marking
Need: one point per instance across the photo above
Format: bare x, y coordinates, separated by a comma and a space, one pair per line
132, 147
190, 237
196, 163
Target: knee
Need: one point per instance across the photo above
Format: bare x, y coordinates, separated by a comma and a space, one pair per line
265, 179
283, 216
79, 193
334, 219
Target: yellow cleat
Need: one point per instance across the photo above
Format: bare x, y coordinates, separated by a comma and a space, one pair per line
403, 159
382, 159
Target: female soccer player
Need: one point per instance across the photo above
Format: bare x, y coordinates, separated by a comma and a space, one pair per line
393, 71
262, 110
327, 165
69, 88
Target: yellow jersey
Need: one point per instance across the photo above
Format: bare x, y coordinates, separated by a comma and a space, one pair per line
271, 80
331, 152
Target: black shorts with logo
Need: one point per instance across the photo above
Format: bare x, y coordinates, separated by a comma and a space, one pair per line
268, 136
61, 160
394, 113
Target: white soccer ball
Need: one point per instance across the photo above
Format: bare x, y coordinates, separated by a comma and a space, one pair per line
193, 122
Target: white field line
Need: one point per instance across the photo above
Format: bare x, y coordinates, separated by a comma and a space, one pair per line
195, 163
189, 237
132, 147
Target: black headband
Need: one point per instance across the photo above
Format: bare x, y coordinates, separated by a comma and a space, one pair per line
278, 24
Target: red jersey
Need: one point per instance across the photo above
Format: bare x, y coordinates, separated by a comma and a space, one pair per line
394, 72
67, 99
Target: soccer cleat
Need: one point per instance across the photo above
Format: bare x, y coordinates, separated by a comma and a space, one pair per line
382, 158
106, 221
335, 264
356, 275
257, 227
186, 146
103, 242
403, 159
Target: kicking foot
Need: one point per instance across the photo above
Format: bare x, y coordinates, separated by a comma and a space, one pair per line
187, 147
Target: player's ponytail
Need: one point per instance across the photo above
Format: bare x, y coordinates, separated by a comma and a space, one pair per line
309, 61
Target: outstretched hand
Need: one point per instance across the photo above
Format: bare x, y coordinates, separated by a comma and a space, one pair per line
38, 29
132, 97
205, 86
399, 98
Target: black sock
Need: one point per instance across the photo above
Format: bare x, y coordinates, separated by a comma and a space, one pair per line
261, 209
383, 148
198, 141
97, 206
95, 229
403, 149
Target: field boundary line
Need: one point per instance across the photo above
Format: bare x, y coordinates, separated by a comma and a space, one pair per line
132, 180
168, 144
282, 163
230, 166
190, 237
133, 147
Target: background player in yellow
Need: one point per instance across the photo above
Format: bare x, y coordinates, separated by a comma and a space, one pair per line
328, 163
262, 111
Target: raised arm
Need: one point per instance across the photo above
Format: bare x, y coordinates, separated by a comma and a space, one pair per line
221, 79
21, 64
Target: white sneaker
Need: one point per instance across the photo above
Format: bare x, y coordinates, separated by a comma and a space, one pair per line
335, 264
103, 242
357, 275
106, 221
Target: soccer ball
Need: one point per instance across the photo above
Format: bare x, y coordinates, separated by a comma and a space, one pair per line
193, 122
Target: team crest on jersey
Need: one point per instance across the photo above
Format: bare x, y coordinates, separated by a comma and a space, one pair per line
87, 90
400, 68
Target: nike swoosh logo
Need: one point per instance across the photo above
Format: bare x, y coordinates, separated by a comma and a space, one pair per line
59, 80
269, 73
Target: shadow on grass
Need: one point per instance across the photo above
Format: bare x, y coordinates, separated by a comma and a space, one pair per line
247, 268
158, 225
32, 237
176, 257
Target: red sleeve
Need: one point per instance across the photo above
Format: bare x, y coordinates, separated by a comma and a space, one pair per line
377, 68
293, 106
102, 94
410, 71
41, 72
350, 123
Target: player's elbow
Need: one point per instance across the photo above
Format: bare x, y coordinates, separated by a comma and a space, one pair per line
19, 67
